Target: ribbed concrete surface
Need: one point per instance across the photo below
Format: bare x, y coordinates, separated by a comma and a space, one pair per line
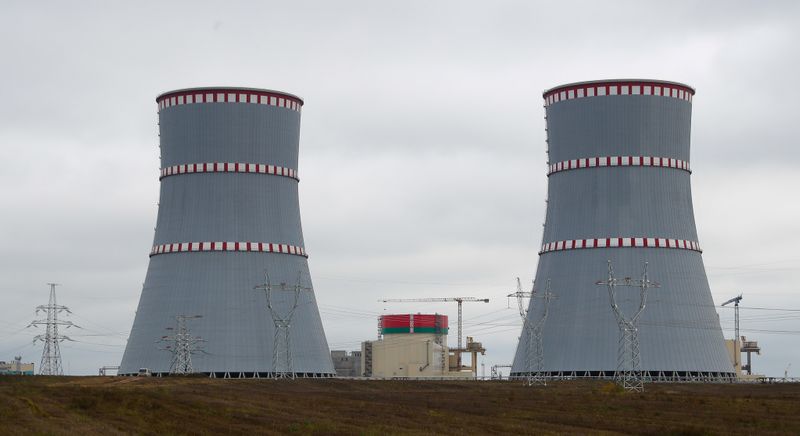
679, 330
236, 207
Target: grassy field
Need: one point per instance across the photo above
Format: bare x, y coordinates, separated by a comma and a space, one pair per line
117, 405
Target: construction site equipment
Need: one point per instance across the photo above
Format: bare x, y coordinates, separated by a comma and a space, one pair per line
495, 371
472, 348
736, 345
749, 347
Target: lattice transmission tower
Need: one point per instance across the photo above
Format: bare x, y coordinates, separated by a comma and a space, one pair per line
182, 344
534, 352
51, 353
282, 365
629, 373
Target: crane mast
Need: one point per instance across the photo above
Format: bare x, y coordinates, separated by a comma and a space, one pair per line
736, 348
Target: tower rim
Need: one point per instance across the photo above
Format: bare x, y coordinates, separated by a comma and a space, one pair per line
617, 82
265, 91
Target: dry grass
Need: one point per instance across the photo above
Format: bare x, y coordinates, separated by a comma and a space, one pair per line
116, 405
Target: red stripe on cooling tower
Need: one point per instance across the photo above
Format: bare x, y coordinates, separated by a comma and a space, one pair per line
227, 167
617, 242
263, 247
621, 161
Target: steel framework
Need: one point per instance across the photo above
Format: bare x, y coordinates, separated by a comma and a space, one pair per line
51, 352
534, 353
629, 373
182, 345
281, 343
736, 338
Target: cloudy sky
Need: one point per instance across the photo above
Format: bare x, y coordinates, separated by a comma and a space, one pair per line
422, 149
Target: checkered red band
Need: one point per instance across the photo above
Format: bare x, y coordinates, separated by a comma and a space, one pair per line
619, 161
228, 167
259, 247
577, 244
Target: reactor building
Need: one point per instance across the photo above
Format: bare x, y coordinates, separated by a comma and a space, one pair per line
619, 194
413, 346
228, 283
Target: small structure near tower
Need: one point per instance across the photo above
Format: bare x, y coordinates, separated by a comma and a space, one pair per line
413, 346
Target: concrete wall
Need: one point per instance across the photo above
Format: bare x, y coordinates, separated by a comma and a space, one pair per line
346, 364
232, 206
679, 330
410, 355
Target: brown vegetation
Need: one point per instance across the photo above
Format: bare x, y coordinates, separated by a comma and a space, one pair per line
117, 405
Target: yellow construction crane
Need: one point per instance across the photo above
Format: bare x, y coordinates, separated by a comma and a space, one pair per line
459, 300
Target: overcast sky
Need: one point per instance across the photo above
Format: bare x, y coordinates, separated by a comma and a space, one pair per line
422, 153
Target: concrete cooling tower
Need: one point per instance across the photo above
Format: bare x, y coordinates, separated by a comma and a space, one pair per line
228, 222
619, 190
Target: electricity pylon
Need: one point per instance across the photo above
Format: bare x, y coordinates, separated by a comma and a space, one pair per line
629, 372
51, 353
182, 345
282, 365
534, 352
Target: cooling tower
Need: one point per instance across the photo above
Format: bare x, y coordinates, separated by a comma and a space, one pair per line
619, 190
228, 213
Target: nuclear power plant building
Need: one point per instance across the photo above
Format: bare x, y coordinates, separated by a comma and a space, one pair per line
228, 223
619, 190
